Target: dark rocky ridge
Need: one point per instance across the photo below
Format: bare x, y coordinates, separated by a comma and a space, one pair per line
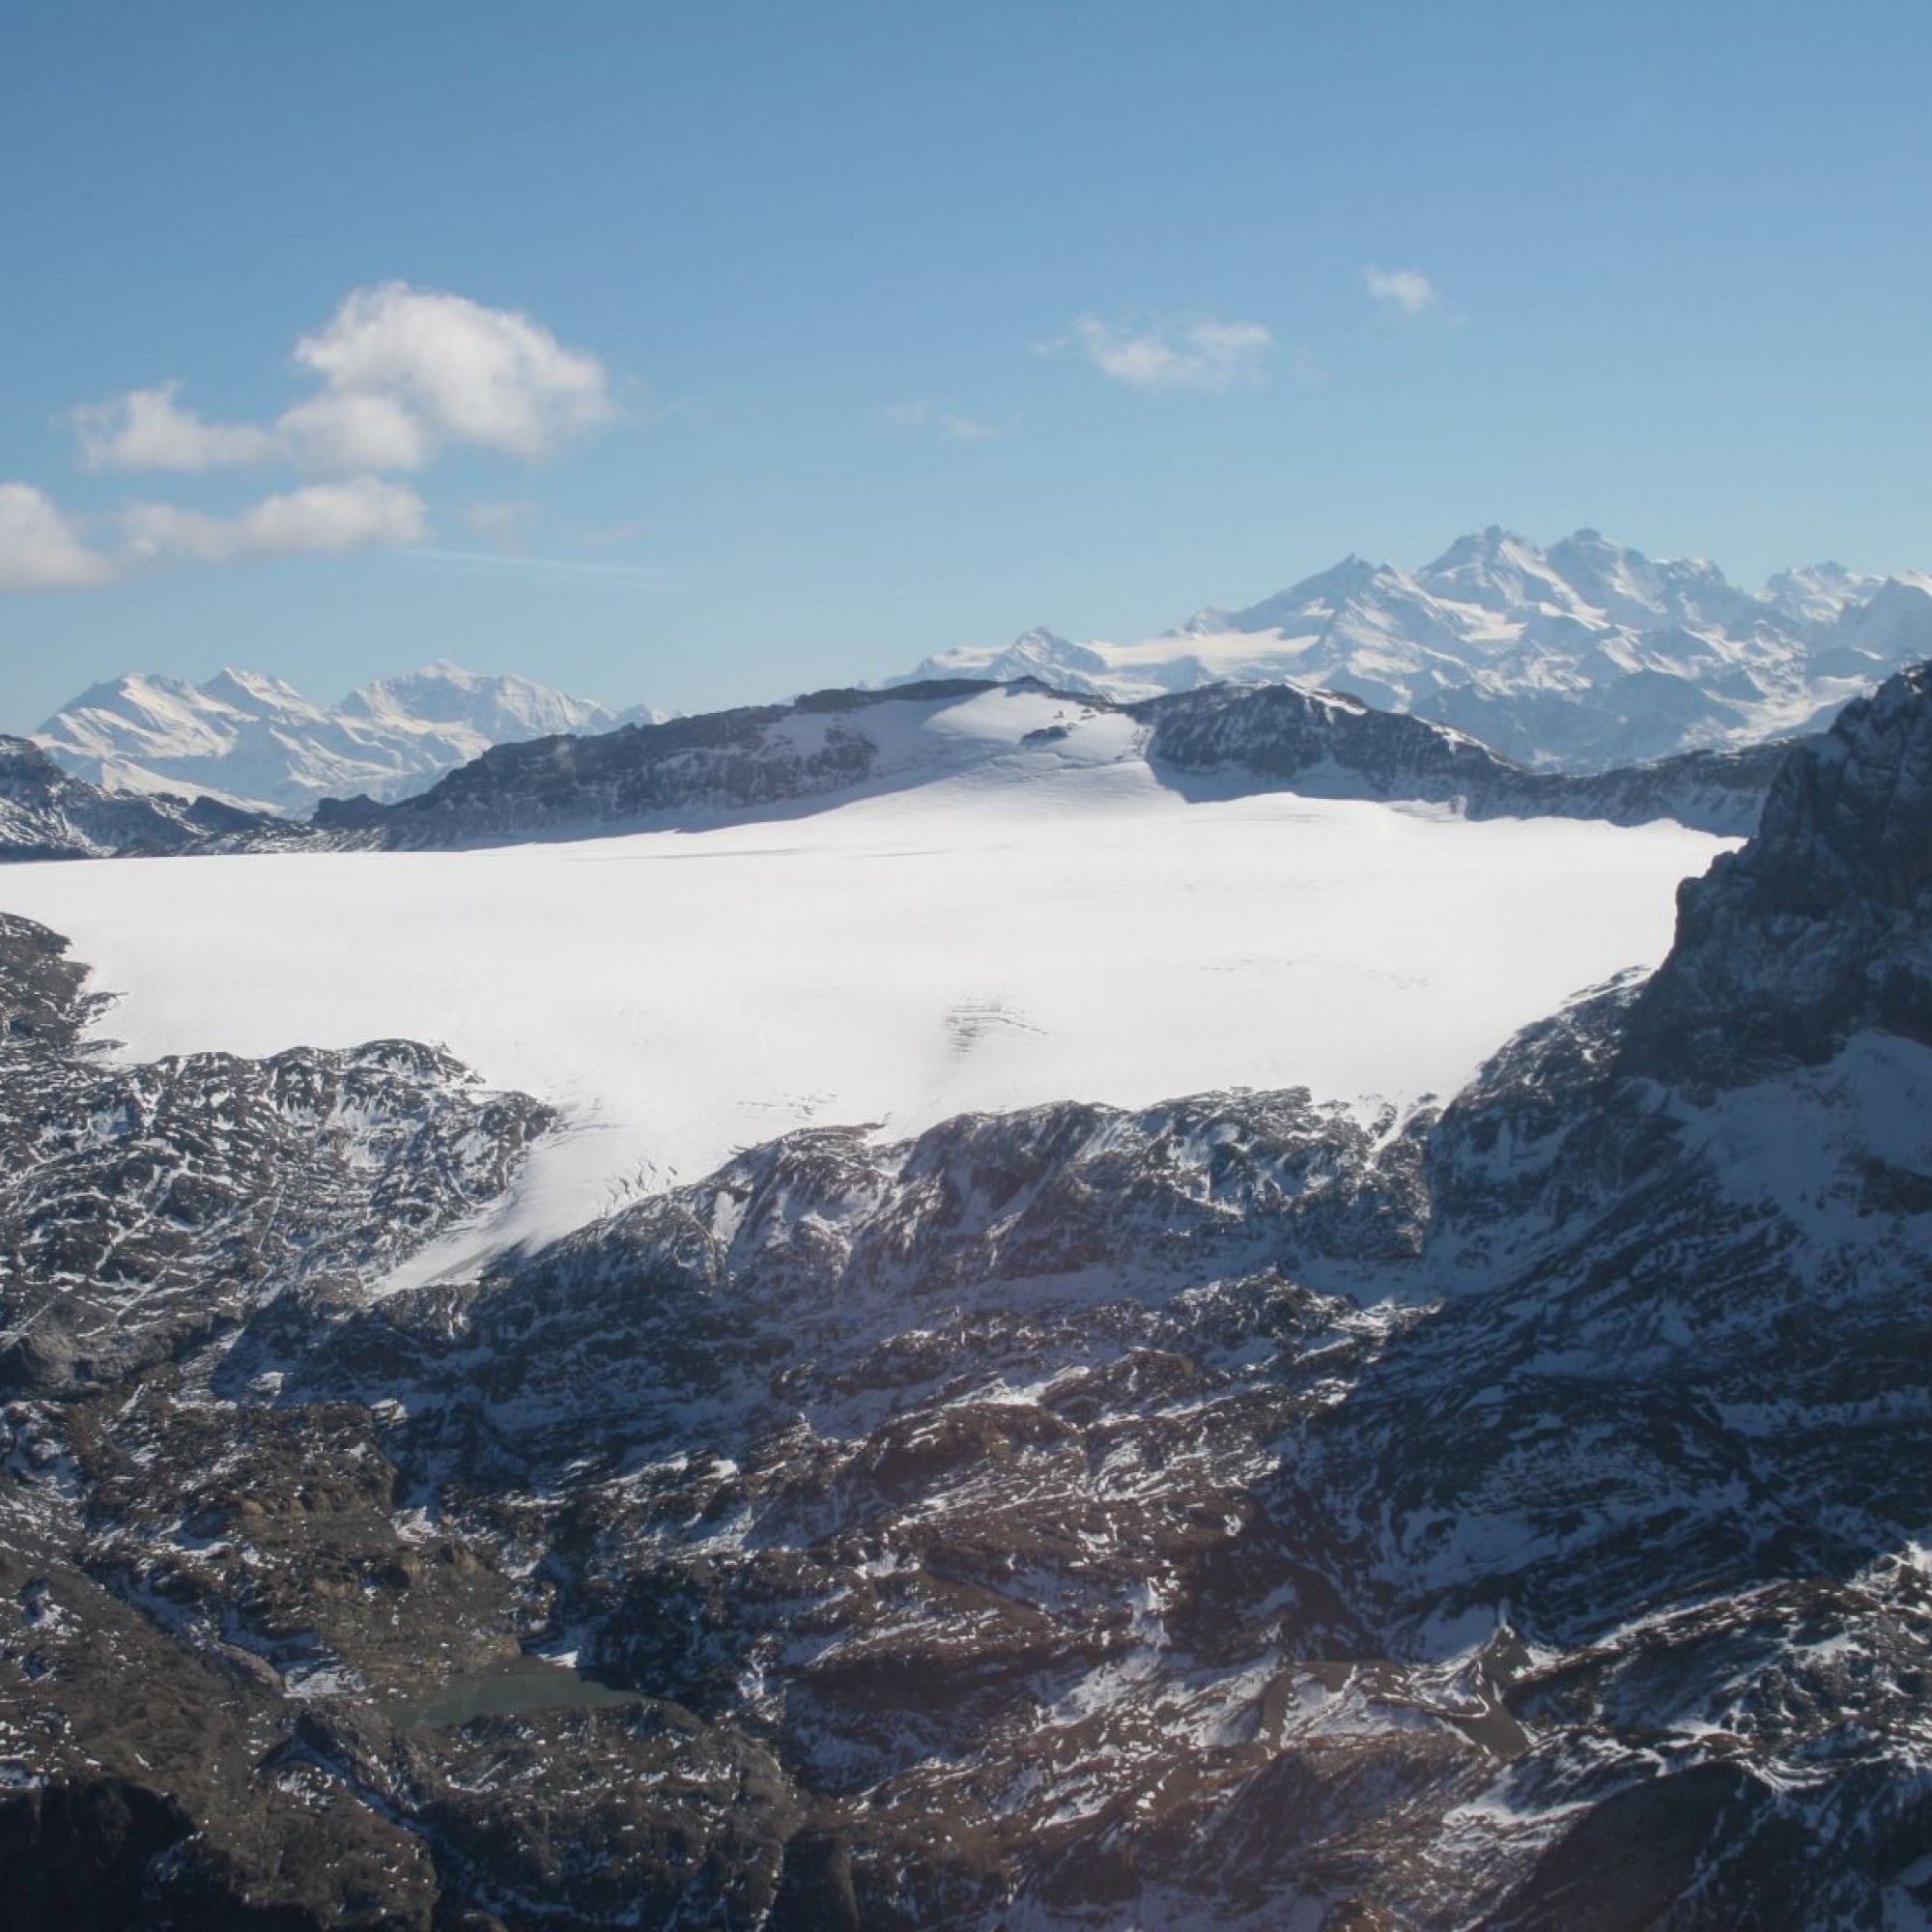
720, 761
1322, 743
143, 1208
1231, 1514
46, 814
1250, 737
1821, 927
754, 760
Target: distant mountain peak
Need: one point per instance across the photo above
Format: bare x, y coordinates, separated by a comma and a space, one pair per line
1583, 656
253, 740
253, 691
1327, 593
1491, 544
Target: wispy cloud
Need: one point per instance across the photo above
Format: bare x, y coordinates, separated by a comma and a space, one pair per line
1208, 356
398, 376
1403, 291
360, 514
41, 547
949, 423
545, 566
405, 370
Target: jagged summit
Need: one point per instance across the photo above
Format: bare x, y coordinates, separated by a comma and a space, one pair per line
1331, 590
1580, 656
247, 689
1499, 571
1817, 592
1822, 925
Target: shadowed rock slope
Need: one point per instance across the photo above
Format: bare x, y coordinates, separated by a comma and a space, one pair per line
46, 814
1822, 928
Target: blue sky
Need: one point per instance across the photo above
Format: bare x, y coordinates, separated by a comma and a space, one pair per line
700, 353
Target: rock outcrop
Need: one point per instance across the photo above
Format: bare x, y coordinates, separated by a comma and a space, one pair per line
1821, 927
46, 814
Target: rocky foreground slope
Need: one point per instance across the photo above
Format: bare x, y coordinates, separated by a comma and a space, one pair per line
1229, 1514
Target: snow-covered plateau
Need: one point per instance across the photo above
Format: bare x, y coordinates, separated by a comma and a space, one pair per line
1038, 922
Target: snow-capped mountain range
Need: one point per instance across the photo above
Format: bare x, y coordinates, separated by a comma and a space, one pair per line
1580, 656
255, 742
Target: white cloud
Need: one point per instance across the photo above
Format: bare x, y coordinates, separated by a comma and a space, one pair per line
323, 517
1406, 292
948, 423
405, 370
40, 548
338, 432
1210, 356
403, 373
146, 429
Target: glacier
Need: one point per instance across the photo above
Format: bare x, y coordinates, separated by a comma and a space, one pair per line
1032, 922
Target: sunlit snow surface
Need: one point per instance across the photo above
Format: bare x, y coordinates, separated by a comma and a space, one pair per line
1049, 925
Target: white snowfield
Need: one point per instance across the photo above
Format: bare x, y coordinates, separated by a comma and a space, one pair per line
1034, 923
